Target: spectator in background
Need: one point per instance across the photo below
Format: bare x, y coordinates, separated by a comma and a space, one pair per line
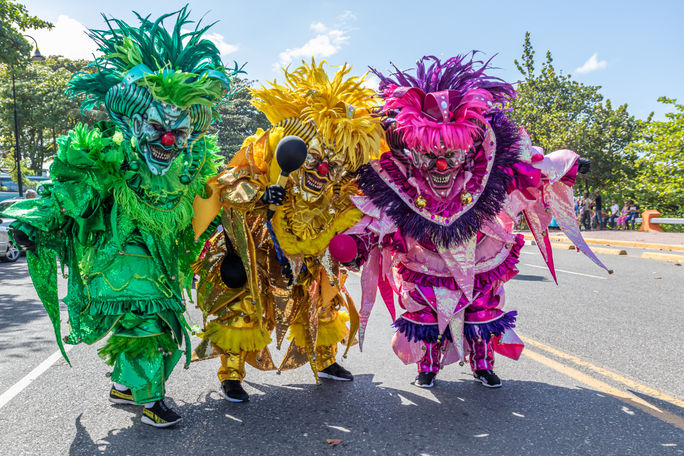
30, 194
587, 204
614, 214
633, 214
599, 221
621, 221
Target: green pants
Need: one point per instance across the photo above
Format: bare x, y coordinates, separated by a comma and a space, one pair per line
143, 351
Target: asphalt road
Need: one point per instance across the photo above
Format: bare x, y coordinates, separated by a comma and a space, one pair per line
602, 375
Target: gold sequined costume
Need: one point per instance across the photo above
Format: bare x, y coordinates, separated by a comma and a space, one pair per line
333, 116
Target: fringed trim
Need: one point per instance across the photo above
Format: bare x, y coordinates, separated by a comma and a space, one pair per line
151, 306
333, 332
486, 331
415, 332
503, 271
230, 339
329, 333
136, 347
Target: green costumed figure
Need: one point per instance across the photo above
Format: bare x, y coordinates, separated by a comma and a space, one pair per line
118, 211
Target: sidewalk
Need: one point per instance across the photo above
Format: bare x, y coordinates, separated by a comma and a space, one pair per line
636, 239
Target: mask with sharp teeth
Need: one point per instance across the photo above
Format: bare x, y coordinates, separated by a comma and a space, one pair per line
443, 170
162, 133
322, 168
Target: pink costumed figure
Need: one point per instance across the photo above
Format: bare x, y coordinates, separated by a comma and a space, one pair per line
439, 209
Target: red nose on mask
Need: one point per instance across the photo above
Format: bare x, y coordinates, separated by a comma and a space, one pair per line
168, 138
441, 164
323, 169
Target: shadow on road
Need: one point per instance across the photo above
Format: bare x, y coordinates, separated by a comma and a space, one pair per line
17, 306
530, 278
458, 417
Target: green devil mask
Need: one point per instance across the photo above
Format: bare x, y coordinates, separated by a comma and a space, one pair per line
160, 87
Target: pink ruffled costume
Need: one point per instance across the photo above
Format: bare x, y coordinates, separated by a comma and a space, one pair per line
439, 209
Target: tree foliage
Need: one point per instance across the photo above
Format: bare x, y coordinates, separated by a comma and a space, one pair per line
15, 19
561, 113
660, 164
44, 111
239, 119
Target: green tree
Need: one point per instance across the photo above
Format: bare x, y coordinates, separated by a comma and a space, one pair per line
559, 112
8, 163
239, 119
44, 112
660, 164
15, 19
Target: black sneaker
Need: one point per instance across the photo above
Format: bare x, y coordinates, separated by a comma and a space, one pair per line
425, 379
121, 397
336, 372
232, 391
160, 416
488, 378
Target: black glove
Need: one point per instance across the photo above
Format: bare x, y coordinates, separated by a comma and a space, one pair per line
584, 165
275, 194
21, 239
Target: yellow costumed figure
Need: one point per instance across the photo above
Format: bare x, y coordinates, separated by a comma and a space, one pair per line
263, 277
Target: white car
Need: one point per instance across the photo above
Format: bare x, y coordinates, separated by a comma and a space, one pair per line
8, 252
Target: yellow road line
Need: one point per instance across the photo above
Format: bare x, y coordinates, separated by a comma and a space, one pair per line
624, 396
678, 257
606, 373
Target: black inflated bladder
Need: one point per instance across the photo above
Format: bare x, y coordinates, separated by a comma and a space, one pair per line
290, 154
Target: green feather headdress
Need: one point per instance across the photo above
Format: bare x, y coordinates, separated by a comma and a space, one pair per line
178, 67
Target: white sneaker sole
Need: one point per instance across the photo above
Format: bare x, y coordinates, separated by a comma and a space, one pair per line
487, 385
120, 401
228, 398
431, 385
333, 377
151, 422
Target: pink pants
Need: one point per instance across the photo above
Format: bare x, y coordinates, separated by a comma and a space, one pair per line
481, 356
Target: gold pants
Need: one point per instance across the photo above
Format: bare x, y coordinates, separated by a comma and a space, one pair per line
331, 330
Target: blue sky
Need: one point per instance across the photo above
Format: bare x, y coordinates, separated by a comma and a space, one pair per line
634, 50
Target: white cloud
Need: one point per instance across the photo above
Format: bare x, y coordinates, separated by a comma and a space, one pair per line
592, 64
327, 41
371, 82
346, 17
220, 42
68, 38
321, 46
318, 27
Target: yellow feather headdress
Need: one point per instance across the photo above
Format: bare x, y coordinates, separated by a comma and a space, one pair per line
340, 110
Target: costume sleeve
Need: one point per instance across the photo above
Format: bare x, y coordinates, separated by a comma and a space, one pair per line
242, 184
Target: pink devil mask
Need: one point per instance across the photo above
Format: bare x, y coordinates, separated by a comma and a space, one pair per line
442, 132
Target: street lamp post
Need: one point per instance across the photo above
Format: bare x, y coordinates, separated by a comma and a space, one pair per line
17, 153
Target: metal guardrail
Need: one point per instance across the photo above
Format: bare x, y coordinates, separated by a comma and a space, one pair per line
666, 220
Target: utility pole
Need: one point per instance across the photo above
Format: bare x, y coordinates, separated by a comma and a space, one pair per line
37, 57
17, 152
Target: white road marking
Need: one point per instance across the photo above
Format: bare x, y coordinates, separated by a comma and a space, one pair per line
567, 272
530, 253
31, 376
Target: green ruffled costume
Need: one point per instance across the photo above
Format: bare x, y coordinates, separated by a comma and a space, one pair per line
127, 241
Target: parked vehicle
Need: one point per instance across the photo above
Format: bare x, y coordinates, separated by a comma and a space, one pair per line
8, 252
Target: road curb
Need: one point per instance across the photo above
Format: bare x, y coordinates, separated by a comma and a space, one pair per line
677, 258
617, 243
601, 250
